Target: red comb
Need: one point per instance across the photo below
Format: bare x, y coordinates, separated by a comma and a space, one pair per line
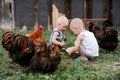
40, 26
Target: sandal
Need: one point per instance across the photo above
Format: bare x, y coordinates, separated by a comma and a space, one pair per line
80, 59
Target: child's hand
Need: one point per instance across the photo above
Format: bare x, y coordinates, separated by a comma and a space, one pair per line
71, 50
62, 44
69, 53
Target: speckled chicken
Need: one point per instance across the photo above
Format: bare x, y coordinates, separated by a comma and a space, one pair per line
47, 57
32, 50
20, 48
106, 35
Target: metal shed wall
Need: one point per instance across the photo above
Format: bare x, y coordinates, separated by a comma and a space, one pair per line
77, 8
24, 13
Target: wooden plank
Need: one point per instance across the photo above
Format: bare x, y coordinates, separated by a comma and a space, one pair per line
93, 19
96, 19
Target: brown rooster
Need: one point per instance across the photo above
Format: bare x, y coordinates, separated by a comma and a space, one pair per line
36, 33
32, 50
106, 36
20, 48
46, 58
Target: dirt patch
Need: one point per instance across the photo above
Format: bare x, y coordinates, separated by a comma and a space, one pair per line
116, 65
113, 65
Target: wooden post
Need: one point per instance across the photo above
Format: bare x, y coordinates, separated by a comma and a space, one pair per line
50, 21
3, 12
13, 14
2, 9
50, 11
68, 9
36, 13
87, 10
107, 9
55, 14
6, 18
85, 7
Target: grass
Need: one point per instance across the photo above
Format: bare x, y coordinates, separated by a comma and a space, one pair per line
105, 67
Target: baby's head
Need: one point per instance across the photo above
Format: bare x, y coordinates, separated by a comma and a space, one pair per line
62, 23
76, 25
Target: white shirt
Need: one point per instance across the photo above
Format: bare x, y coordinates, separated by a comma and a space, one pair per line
89, 45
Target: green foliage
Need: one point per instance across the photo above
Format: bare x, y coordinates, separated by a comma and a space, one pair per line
105, 67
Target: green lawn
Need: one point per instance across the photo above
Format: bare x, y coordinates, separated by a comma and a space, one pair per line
105, 67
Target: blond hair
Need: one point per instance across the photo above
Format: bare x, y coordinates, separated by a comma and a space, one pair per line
76, 23
62, 20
